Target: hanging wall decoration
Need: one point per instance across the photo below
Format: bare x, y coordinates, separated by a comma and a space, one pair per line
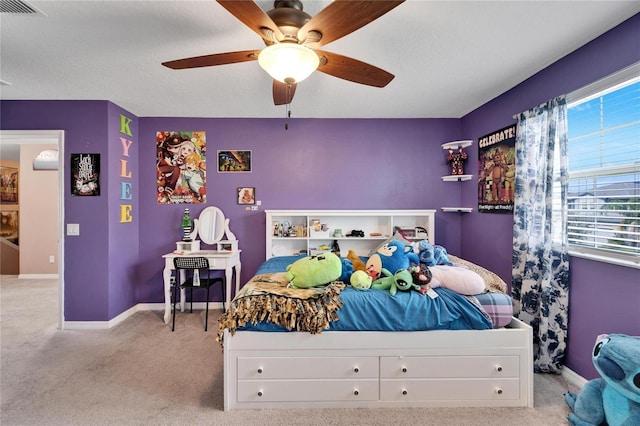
85, 174
234, 161
497, 170
9, 185
181, 167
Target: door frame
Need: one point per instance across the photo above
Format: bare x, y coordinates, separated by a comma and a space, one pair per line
53, 137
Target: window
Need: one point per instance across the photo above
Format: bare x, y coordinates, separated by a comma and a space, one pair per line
603, 152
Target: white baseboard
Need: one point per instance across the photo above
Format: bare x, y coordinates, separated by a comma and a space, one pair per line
105, 325
38, 276
573, 378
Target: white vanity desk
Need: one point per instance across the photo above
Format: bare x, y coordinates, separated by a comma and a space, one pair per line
211, 226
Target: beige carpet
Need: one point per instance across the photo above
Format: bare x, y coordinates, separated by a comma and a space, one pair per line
140, 373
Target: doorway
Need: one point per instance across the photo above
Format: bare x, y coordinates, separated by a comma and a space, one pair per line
47, 137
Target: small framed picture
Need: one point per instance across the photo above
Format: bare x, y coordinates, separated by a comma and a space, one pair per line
8, 185
9, 226
246, 195
234, 161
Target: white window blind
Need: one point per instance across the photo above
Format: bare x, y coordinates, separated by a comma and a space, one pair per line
603, 151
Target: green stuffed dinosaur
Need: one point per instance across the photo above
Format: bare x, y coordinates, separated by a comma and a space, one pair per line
401, 280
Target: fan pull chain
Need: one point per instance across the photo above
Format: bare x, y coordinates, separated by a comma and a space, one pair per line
287, 107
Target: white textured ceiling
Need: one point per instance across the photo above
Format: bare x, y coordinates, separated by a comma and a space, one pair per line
448, 57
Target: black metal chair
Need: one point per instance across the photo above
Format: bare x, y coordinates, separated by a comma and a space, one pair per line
193, 272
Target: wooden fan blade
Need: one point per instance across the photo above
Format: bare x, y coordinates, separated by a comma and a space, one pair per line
250, 14
283, 93
352, 69
211, 60
343, 17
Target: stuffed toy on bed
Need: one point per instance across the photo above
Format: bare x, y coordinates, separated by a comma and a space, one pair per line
431, 255
358, 264
360, 280
613, 399
393, 256
347, 270
314, 271
401, 280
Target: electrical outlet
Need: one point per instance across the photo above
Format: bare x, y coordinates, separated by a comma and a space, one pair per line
52, 259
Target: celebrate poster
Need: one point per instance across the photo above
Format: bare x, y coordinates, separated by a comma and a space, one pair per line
497, 171
181, 167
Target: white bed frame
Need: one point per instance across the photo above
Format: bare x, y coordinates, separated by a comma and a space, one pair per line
457, 368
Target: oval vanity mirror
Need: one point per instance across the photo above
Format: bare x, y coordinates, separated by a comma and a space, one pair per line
211, 225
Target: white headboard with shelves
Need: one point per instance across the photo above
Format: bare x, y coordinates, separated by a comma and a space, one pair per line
291, 232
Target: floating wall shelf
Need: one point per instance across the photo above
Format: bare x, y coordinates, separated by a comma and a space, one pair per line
458, 178
457, 144
457, 209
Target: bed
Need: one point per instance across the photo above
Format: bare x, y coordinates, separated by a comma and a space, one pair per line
473, 354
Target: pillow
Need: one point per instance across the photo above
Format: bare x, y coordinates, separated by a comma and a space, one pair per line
492, 281
460, 279
397, 236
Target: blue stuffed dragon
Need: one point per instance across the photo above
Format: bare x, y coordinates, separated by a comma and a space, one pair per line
613, 399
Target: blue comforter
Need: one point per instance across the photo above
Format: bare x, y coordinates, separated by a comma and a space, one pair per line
377, 310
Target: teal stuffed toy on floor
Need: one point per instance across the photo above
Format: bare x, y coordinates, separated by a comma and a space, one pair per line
614, 399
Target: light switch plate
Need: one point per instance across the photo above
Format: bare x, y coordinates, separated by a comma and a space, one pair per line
73, 229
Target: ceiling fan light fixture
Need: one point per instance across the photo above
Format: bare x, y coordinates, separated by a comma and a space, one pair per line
288, 61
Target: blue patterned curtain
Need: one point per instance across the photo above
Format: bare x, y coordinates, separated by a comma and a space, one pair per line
540, 262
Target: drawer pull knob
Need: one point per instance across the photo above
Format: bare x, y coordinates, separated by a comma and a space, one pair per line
356, 392
404, 391
356, 369
499, 391
259, 393
260, 370
404, 369
499, 368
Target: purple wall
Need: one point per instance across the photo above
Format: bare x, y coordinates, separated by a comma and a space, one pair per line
85, 262
597, 305
316, 164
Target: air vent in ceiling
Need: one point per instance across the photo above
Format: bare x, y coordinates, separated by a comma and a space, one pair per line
18, 7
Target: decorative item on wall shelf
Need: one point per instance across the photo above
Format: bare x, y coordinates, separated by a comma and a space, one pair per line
246, 195
181, 170
234, 161
85, 174
497, 171
9, 185
456, 157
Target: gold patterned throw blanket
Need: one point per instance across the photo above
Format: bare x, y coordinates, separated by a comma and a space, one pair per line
266, 297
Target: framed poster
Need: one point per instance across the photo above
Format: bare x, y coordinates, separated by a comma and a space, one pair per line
85, 175
9, 226
181, 167
246, 195
497, 171
8, 185
234, 161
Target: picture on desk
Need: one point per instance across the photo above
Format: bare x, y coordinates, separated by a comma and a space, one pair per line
181, 169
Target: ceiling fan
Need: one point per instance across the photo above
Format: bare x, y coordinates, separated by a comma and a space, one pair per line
288, 31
